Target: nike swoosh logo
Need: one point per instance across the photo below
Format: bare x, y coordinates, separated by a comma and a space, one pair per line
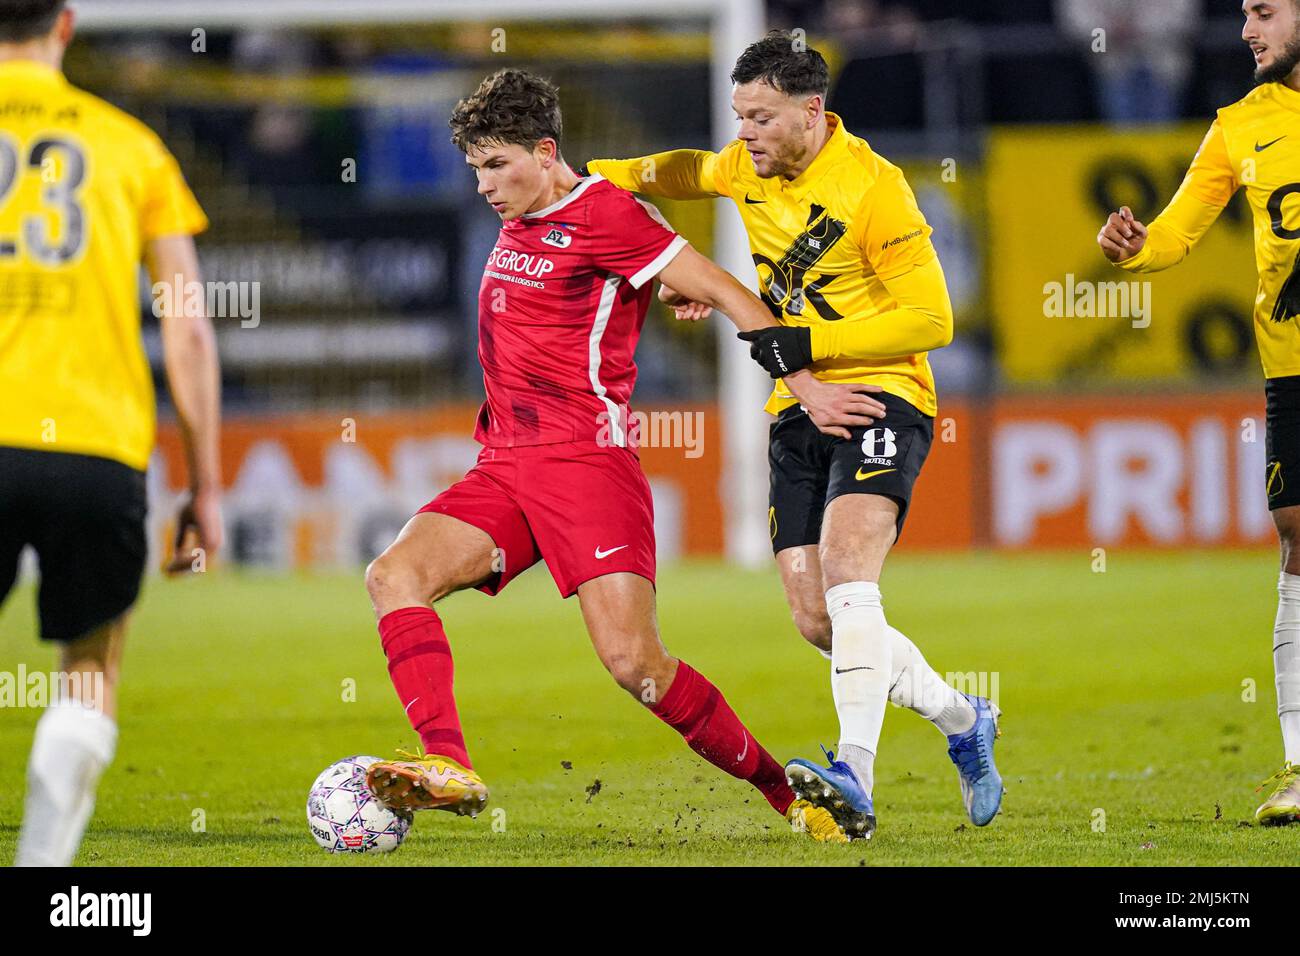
849, 669
753, 202
740, 758
871, 474
601, 555
410, 705
1260, 149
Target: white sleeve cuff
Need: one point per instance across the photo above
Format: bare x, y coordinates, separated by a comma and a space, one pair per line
660, 261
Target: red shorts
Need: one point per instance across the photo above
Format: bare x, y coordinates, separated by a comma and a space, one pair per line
582, 508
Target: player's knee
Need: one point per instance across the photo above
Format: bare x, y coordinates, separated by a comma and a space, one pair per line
640, 674
626, 669
379, 580
814, 626
844, 559
390, 580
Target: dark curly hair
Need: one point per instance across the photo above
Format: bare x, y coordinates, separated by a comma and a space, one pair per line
23, 20
785, 63
510, 106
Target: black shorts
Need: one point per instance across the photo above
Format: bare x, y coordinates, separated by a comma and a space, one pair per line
84, 516
809, 470
1282, 441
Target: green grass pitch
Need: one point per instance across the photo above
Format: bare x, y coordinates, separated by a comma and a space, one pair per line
1129, 732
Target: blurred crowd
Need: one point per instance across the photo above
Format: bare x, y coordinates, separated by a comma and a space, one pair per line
1140, 55
262, 117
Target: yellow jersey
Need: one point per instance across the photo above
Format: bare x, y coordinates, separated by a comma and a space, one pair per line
842, 248
1254, 143
83, 188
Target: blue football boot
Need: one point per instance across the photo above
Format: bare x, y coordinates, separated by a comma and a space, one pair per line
972, 752
835, 788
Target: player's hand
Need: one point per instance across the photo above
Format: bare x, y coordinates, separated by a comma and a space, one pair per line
781, 349
1123, 236
685, 309
834, 407
198, 529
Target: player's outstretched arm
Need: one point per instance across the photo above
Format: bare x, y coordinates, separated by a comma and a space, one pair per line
698, 279
921, 321
1135, 247
894, 239
831, 406
683, 308
675, 174
194, 378
1209, 184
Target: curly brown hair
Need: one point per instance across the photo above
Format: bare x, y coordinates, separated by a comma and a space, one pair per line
510, 106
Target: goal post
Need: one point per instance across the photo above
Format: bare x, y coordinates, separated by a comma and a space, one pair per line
733, 24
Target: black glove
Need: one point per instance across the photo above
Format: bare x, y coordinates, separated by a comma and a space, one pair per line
780, 350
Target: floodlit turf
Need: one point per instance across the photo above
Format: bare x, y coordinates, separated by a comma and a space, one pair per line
1126, 736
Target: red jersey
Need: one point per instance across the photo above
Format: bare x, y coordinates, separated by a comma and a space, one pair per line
563, 300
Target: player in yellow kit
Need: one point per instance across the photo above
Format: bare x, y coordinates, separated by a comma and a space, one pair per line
86, 193
846, 265
1255, 144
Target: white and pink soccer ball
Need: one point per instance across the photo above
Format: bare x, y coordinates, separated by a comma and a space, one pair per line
345, 817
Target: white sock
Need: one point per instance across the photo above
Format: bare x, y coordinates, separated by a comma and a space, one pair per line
917, 686
1286, 662
73, 745
860, 672
863, 762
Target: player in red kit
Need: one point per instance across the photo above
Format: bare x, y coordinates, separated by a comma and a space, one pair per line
563, 299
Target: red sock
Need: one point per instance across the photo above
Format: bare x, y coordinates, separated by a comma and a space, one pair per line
697, 710
419, 662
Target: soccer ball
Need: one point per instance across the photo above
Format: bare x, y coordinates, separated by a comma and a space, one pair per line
345, 817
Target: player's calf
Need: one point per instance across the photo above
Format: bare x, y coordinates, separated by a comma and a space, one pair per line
1286, 631
801, 577
434, 555
857, 533
619, 610
1287, 522
74, 745
76, 739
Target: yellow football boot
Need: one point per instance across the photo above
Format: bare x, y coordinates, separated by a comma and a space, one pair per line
427, 782
817, 822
